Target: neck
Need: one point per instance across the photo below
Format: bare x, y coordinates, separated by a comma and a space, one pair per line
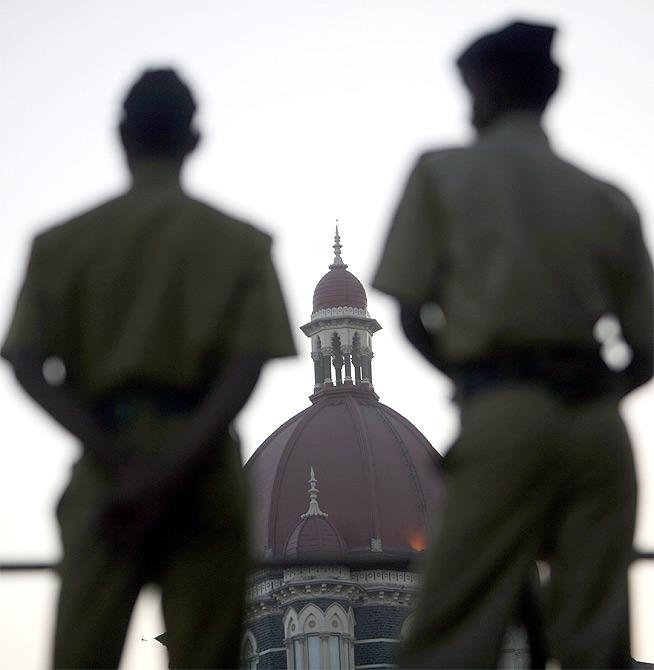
499, 117
148, 171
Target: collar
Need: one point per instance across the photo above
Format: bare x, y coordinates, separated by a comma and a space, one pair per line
522, 127
153, 173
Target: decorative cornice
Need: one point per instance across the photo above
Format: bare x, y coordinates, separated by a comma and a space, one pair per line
401, 579
335, 321
341, 392
313, 572
343, 310
271, 594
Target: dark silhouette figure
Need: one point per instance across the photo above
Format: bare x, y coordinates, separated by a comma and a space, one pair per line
162, 311
524, 254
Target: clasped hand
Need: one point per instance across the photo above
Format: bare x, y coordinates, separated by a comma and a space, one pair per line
143, 489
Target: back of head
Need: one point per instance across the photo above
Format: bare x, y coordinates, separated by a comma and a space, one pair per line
514, 65
158, 113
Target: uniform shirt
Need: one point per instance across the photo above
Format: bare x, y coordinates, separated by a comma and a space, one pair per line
151, 288
518, 247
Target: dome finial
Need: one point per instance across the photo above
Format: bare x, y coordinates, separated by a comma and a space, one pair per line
338, 261
314, 508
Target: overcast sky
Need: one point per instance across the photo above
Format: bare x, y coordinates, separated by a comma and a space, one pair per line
311, 111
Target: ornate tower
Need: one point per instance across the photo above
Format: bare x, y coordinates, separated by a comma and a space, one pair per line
340, 329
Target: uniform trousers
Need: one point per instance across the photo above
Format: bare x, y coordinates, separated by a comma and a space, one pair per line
196, 554
530, 477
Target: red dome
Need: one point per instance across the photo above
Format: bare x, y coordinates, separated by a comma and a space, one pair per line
314, 538
339, 288
377, 477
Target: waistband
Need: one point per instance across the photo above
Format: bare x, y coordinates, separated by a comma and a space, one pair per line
573, 374
123, 405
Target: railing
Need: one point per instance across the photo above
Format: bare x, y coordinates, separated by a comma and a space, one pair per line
364, 561
530, 610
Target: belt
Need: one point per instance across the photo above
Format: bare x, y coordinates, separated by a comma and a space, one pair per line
573, 374
120, 407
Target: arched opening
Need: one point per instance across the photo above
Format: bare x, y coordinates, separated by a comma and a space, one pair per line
249, 651
317, 640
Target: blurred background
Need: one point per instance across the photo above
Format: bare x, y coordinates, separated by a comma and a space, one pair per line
310, 112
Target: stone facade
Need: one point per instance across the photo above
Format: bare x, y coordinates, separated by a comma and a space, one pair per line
371, 611
356, 616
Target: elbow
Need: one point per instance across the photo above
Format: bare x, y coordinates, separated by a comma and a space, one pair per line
410, 321
640, 370
27, 367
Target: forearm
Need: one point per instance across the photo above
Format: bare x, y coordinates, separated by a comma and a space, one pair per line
147, 486
419, 336
219, 408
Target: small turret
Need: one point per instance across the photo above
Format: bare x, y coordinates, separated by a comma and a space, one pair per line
314, 537
340, 330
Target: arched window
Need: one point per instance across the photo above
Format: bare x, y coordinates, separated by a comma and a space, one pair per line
317, 640
249, 652
407, 625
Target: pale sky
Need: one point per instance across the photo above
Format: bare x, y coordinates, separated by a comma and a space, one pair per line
310, 111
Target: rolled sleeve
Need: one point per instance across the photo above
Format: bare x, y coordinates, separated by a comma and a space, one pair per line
261, 326
408, 264
30, 329
634, 281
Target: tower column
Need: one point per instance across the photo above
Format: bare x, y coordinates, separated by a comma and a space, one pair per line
338, 369
317, 370
364, 359
327, 369
348, 367
366, 367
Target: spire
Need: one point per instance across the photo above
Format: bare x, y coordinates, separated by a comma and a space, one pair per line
338, 261
314, 508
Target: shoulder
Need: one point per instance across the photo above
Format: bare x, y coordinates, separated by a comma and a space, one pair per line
233, 234
435, 159
622, 203
66, 232
606, 193
452, 164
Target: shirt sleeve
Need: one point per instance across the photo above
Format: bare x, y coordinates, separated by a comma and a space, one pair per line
408, 264
30, 327
634, 282
260, 325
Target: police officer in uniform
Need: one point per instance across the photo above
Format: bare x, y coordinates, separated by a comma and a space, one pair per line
523, 254
162, 311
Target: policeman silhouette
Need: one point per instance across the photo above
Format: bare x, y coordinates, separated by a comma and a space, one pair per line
523, 253
162, 311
